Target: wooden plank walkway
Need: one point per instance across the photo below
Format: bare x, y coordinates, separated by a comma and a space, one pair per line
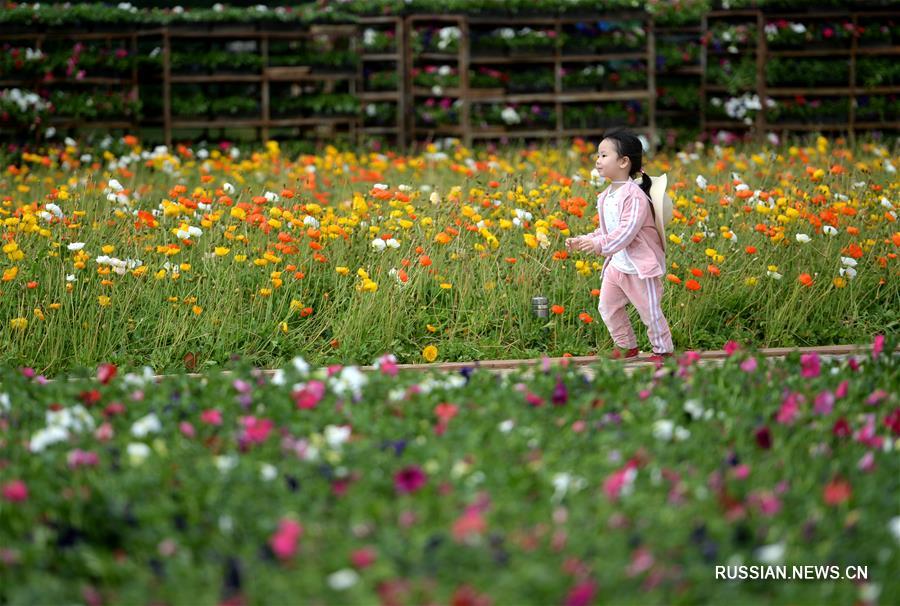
642, 360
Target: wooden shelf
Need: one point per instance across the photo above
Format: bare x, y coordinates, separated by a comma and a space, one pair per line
549, 57
62, 81
390, 95
815, 52
625, 95
65, 123
381, 57
833, 91
725, 125
204, 79
445, 92
808, 127
877, 125
381, 130
437, 57
259, 122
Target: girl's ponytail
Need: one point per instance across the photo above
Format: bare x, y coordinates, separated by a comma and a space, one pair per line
645, 183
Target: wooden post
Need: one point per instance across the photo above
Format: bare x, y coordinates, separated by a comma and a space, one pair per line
651, 81
167, 88
464, 94
264, 86
761, 52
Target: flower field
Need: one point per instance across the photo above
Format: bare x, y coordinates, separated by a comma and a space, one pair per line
185, 257
545, 486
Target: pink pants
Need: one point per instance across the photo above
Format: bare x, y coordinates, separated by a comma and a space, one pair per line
617, 290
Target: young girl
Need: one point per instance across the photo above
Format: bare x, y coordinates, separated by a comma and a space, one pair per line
635, 254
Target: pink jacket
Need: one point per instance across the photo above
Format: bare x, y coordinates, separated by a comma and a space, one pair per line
636, 233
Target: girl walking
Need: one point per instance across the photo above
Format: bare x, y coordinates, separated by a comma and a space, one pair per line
630, 236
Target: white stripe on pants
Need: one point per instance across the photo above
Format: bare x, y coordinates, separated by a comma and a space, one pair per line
619, 289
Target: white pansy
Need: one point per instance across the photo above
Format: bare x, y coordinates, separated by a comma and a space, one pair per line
771, 554
146, 425
663, 429
510, 116
47, 436
350, 381
336, 435
137, 453
225, 463
506, 426
894, 527
343, 579
268, 472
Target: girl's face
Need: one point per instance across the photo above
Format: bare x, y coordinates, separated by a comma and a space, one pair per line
609, 163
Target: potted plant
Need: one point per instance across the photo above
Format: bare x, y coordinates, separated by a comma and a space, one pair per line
531, 81
529, 42
380, 114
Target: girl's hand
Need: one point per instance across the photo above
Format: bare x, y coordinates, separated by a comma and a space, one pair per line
582, 245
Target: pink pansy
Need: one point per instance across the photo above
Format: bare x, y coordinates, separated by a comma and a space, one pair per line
211, 416
689, 357
582, 594
388, 365
363, 557
867, 462
641, 561
334, 369
618, 480
842, 389
106, 372
104, 433
256, 431
15, 491
82, 458
534, 399
765, 502
241, 387
186, 429
866, 434
409, 479
877, 346
310, 395
749, 365
790, 407
876, 396
731, 347
824, 403
470, 523
644, 394
284, 541
741, 472
811, 365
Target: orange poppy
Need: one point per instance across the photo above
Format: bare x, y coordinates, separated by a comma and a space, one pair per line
557, 309
692, 285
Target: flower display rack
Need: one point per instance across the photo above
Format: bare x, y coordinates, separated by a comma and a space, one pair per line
280, 83
436, 52
678, 78
832, 71
384, 93
553, 78
90, 79
732, 62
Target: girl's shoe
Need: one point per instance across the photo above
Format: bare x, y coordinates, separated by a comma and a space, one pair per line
659, 358
624, 354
